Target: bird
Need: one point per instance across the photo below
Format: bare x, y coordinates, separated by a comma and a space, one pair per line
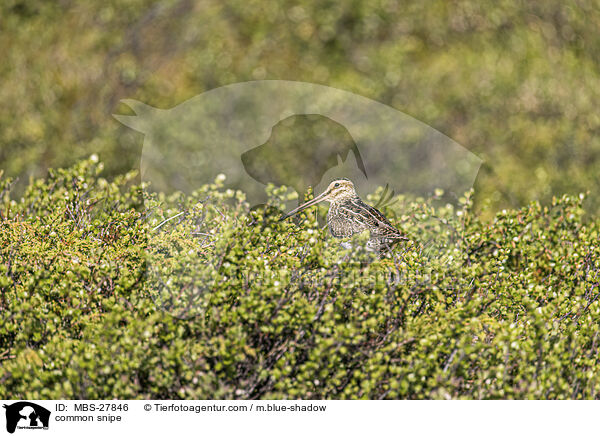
349, 215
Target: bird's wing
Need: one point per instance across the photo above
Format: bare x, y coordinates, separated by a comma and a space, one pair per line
377, 223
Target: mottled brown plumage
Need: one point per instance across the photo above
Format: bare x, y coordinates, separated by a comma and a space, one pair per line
349, 215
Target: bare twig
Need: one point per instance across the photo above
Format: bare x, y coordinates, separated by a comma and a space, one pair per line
167, 220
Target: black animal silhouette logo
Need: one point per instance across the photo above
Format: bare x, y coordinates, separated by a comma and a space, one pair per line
24, 414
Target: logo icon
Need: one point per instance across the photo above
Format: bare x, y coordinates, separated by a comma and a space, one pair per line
26, 415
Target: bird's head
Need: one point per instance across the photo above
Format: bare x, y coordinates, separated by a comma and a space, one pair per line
338, 190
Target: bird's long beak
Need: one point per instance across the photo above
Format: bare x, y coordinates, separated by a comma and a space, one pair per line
310, 203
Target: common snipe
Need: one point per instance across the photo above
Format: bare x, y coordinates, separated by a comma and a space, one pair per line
349, 215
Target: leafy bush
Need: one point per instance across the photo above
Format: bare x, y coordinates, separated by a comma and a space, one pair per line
257, 308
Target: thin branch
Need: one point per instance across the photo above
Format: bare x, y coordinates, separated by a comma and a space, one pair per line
167, 220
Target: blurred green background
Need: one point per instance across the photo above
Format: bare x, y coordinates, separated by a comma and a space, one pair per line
517, 83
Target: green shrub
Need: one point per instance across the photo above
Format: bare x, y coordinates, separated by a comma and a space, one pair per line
258, 308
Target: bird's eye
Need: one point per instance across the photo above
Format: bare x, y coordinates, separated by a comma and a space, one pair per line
336, 185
